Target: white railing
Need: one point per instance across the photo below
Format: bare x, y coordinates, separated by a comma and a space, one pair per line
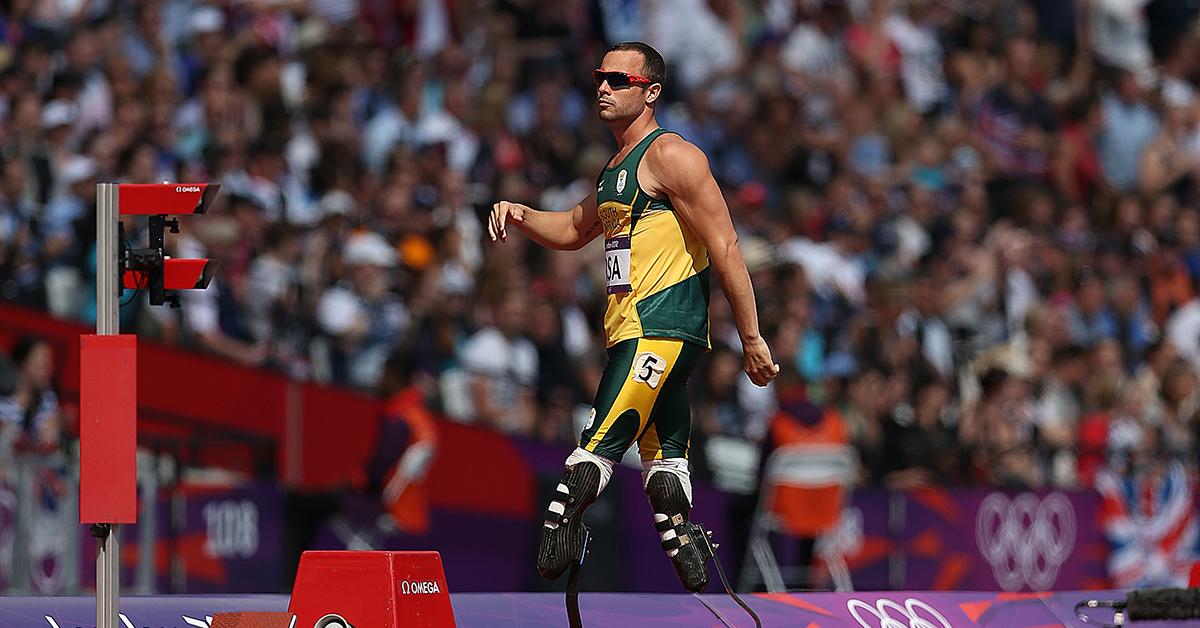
43, 547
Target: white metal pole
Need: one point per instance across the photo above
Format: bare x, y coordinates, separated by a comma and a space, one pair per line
148, 524
107, 249
108, 556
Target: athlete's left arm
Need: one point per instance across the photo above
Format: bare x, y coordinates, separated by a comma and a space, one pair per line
681, 171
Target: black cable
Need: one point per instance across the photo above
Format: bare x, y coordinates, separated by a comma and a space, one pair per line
145, 283
1146, 605
1118, 607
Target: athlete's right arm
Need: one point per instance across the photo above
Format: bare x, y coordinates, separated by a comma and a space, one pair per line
565, 231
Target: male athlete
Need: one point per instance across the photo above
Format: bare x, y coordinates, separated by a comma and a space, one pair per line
666, 229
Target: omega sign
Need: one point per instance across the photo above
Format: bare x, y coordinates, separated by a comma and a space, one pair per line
187, 188
425, 587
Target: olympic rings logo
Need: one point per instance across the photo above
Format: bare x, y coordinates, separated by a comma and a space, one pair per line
1026, 540
883, 609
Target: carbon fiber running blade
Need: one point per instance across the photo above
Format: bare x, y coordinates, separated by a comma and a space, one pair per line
574, 619
713, 610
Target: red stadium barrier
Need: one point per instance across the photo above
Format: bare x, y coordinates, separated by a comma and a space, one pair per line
371, 590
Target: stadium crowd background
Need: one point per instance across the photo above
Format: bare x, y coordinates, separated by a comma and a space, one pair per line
972, 226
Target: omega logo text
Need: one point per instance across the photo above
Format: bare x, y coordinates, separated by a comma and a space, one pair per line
426, 587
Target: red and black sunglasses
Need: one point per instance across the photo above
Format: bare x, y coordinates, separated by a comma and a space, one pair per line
619, 80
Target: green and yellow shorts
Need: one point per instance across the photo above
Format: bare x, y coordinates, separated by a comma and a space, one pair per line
643, 397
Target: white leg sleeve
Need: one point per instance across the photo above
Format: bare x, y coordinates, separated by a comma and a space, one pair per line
606, 466
678, 466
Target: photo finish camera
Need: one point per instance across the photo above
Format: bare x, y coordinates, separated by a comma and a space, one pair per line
150, 268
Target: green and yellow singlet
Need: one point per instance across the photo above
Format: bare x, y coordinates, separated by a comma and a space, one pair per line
656, 268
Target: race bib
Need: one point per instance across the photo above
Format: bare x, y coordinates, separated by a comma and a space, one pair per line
648, 368
616, 264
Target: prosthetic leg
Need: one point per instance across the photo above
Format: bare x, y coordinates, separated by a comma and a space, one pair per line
688, 544
564, 538
563, 535
671, 506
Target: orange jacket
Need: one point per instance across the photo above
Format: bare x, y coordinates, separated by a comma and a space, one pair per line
806, 512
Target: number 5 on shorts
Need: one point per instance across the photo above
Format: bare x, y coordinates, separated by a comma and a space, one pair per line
648, 368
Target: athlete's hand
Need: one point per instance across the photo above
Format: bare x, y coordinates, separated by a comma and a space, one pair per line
758, 363
503, 212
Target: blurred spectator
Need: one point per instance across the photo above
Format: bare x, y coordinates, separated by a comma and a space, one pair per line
698, 39
1183, 330
814, 47
559, 389
213, 317
1060, 406
30, 415
798, 422
503, 365
921, 55
1013, 121
406, 444
68, 238
22, 239
1178, 423
1129, 125
716, 407
1000, 434
925, 325
1088, 317
1167, 165
396, 123
273, 310
921, 439
1119, 34
362, 316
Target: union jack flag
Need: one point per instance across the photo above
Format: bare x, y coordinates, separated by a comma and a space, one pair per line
1151, 525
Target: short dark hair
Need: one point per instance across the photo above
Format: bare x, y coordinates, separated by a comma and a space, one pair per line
1067, 353
23, 348
653, 65
398, 370
277, 233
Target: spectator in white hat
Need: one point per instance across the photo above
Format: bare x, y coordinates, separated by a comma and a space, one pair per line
361, 315
338, 210
206, 27
58, 129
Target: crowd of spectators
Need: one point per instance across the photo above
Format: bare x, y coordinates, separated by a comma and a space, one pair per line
973, 227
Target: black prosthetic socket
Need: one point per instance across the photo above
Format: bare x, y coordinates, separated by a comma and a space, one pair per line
671, 507
563, 534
